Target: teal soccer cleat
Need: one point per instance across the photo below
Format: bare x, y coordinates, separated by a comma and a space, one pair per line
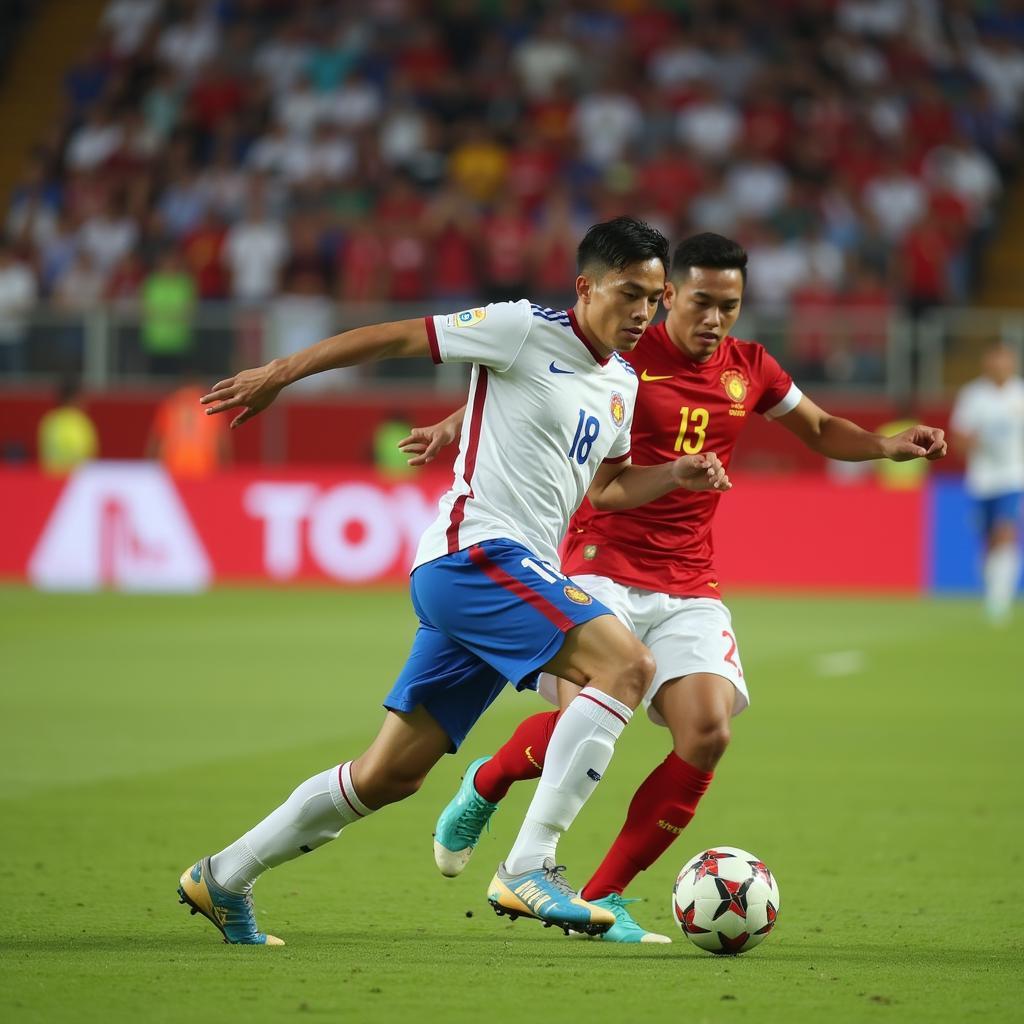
544, 894
625, 928
461, 822
231, 912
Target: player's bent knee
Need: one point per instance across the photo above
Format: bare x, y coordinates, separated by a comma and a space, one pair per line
705, 745
717, 740
645, 668
634, 676
378, 785
406, 787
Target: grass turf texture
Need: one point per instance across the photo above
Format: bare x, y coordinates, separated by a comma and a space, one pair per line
877, 773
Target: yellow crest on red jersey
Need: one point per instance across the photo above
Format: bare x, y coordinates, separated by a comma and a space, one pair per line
735, 385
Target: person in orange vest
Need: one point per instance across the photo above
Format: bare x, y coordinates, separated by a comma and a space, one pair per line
188, 443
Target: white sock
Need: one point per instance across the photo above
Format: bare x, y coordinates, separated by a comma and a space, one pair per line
314, 814
579, 752
1002, 574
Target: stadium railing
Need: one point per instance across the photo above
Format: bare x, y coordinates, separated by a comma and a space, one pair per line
834, 348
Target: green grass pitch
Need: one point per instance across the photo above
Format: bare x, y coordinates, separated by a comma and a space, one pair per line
878, 773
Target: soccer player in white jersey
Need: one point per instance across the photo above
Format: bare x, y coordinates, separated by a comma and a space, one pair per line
548, 421
654, 566
988, 421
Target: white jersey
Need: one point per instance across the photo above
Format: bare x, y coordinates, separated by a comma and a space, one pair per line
544, 411
994, 416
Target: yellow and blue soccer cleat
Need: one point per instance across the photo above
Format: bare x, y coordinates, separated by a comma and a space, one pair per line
231, 912
544, 894
461, 822
625, 929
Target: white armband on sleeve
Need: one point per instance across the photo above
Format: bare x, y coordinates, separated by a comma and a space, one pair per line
788, 404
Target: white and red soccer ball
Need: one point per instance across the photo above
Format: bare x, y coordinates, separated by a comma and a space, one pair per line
725, 900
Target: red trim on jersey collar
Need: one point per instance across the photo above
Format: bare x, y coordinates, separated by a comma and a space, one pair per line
579, 334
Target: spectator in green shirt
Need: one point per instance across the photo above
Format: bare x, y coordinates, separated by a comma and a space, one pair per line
168, 299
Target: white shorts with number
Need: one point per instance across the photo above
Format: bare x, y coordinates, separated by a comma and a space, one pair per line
685, 634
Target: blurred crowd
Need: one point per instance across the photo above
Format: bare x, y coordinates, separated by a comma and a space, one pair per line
316, 151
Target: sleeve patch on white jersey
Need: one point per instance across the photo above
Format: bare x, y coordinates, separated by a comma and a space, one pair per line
788, 404
467, 318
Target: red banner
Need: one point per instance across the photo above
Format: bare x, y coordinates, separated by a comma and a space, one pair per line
128, 525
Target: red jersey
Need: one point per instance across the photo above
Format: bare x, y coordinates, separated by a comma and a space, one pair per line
682, 408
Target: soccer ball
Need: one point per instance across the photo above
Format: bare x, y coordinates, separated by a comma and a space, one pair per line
725, 900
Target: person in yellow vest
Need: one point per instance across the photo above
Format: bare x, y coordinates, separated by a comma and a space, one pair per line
67, 436
188, 443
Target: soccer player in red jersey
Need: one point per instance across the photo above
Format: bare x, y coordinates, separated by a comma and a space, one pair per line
654, 565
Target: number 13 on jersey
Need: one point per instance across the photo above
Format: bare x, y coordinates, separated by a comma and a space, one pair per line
693, 427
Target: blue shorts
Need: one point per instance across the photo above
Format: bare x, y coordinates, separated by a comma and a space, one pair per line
1003, 508
489, 614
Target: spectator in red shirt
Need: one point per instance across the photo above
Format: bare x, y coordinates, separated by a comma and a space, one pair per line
931, 116
868, 304
814, 341
768, 124
927, 253
362, 265
215, 96
203, 249
400, 218
530, 169
506, 251
552, 255
670, 177
453, 231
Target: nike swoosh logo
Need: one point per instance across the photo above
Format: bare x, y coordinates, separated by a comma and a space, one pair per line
558, 369
646, 376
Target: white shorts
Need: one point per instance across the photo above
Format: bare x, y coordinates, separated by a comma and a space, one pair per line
685, 634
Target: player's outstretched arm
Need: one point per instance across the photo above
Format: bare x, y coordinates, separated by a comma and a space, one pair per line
423, 443
619, 485
840, 439
253, 390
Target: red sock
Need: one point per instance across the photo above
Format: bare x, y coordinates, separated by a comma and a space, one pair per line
661, 808
522, 757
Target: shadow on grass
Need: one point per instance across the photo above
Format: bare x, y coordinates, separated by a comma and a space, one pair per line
423, 946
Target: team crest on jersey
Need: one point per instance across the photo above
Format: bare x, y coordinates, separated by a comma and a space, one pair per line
467, 318
618, 408
735, 385
576, 595
590, 552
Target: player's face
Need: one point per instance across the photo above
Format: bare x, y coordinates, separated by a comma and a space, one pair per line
616, 307
702, 309
1000, 364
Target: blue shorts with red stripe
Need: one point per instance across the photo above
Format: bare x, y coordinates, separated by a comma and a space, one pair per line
490, 614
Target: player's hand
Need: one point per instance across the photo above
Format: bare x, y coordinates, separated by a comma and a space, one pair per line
423, 443
918, 442
251, 390
703, 472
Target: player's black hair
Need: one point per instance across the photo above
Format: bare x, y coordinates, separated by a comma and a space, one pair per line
708, 250
614, 244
